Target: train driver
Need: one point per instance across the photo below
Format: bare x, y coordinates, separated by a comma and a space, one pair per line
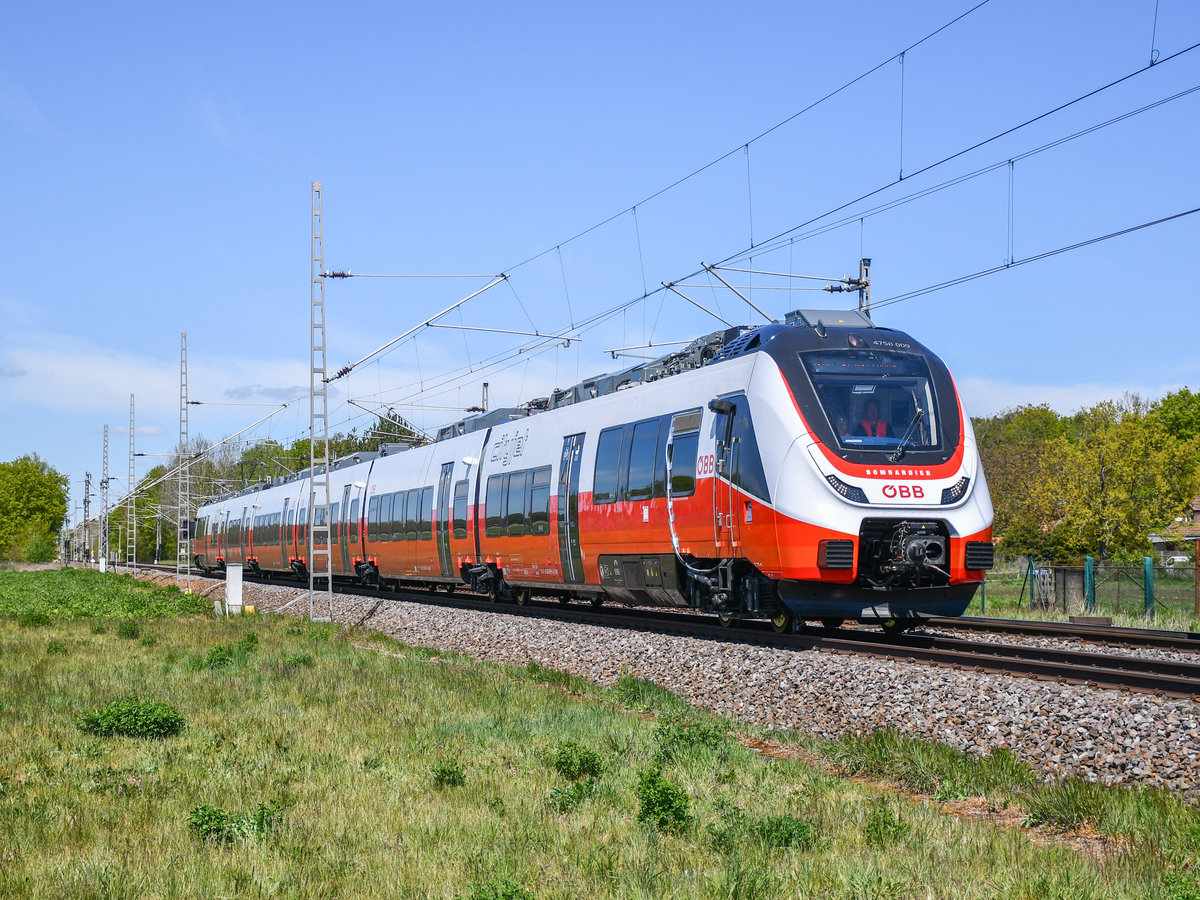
871, 425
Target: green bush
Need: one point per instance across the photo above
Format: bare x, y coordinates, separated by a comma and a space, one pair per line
677, 738
129, 629
132, 718
33, 619
574, 762
214, 824
565, 799
223, 655
448, 773
662, 804
40, 549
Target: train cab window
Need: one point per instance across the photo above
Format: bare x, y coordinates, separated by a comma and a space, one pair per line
514, 519
641, 460
539, 501
608, 465
460, 509
495, 506
747, 471
683, 451
396, 523
426, 514
412, 516
335, 524
372, 520
353, 523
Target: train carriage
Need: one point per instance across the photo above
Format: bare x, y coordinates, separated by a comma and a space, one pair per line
820, 468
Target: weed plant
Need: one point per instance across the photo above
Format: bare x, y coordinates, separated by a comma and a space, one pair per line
214, 824
448, 773
132, 717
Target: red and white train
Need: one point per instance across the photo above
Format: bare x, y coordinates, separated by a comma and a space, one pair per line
817, 469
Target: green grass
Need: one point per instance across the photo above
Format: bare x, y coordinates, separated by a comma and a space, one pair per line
308, 767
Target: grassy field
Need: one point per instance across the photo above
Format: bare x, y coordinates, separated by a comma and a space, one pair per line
149, 750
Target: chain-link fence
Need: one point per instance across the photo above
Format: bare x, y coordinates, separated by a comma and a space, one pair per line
1107, 590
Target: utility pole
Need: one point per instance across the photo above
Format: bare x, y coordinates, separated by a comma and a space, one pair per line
104, 507
87, 515
130, 518
183, 500
320, 557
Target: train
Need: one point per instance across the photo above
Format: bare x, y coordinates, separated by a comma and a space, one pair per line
817, 469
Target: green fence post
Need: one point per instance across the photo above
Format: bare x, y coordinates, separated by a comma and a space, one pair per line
1089, 583
983, 598
1148, 585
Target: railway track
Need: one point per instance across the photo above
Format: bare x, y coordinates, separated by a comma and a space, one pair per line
1111, 635
1115, 671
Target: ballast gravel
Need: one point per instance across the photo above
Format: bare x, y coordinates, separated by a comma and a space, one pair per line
1111, 736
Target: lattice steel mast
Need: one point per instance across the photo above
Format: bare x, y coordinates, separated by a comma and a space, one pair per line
183, 505
104, 504
320, 558
130, 510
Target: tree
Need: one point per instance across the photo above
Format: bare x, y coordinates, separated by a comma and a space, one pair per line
33, 505
1180, 414
1014, 448
1119, 474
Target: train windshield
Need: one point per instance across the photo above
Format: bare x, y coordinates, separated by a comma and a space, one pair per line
876, 399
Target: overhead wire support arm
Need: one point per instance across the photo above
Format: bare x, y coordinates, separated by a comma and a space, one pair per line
346, 370
565, 338
348, 274
712, 270
674, 290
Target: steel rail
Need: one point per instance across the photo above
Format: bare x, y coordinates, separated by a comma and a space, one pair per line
1102, 634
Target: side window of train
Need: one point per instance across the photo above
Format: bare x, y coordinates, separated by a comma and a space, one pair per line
515, 519
412, 515
460, 509
372, 520
426, 514
334, 522
494, 506
354, 521
395, 520
539, 501
385, 517
748, 471
608, 465
641, 460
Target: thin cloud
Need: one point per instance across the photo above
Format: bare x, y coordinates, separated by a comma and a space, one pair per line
250, 392
10, 372
229, 134
21, 112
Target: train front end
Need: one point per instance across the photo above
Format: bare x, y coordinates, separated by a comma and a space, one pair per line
882, 510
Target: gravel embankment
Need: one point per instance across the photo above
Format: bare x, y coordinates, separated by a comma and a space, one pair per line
1104, 735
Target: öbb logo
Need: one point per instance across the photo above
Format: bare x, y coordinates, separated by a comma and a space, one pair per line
904, 491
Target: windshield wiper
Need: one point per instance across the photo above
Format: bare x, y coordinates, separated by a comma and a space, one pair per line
908, 435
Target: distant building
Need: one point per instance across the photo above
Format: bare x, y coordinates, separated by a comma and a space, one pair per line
1178, 538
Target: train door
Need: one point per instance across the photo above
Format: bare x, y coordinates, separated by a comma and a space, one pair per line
284, 533
244, 534
725, 522
568, 509
443, 518
343, 534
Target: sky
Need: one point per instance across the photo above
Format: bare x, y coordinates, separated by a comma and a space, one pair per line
159, 160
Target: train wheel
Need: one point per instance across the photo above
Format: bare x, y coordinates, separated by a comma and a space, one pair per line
564, 599
782, 621
894, 627
522, 596
597, 602
831, 624
727, 620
